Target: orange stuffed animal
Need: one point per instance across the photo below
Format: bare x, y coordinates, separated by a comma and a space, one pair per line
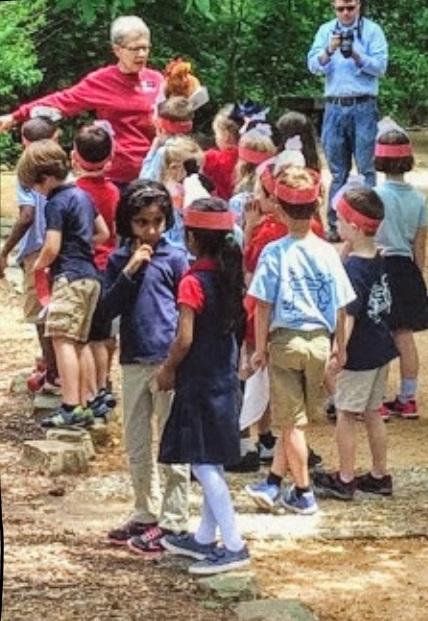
179, 79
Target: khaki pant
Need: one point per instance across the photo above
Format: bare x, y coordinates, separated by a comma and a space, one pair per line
145, 412
32, 306
71, 308
297, 361
361, 391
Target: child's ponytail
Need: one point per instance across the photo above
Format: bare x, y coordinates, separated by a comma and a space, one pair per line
231, 286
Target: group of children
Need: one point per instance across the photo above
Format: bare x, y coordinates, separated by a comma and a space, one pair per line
222, 266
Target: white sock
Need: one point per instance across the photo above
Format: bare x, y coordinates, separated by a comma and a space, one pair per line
217, 494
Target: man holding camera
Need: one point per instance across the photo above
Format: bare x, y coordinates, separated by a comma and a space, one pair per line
352, 53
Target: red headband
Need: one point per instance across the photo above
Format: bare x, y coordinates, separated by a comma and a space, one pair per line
104, 165
252, 156
393, 150
175, 127
214, 220
295, 196
352, 216
267, 180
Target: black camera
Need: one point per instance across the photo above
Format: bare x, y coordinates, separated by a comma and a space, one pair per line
346, 41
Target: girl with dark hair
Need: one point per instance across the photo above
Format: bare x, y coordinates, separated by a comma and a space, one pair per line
203, 427
402, 239
293, 124
141, 283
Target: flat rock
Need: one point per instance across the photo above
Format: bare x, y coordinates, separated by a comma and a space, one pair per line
231, 586
18, 384
54, 457
80, 437
46, 403
274, 610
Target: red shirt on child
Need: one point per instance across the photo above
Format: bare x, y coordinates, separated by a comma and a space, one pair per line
106, 197
219, 166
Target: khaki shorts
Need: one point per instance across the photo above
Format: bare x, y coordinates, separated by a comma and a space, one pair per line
297, 362
71, 308
361, 391
32, 306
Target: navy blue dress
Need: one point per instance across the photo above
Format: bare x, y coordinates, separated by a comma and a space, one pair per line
203, 426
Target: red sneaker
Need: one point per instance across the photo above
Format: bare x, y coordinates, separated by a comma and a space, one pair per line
36, 380
384, 413
408, 410
149, 543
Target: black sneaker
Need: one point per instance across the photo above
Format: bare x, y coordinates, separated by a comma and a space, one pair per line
120, 536
315, 461
330, 485
368, 484
250, 462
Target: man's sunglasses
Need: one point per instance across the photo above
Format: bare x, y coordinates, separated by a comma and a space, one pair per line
349, 8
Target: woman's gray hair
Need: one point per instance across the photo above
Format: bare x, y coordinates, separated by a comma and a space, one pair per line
123, 26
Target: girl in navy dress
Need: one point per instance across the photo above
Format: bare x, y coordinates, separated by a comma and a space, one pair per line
402, 239
203, 427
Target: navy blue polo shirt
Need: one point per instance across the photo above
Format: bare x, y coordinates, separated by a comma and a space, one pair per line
71, 211
146, 302
371, 344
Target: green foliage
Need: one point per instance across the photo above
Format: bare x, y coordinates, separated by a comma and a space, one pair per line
239, 48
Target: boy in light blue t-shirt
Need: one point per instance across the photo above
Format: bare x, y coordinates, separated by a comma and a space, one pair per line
28, 233
301, 288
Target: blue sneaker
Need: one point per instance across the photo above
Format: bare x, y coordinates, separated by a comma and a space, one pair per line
186, 545
305, 504
99, 408
264, 494
60, 418
220, 560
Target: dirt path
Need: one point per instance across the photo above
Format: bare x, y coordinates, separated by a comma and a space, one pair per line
352, 562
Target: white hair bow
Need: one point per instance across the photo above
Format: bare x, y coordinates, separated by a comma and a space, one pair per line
193, 190
261, 128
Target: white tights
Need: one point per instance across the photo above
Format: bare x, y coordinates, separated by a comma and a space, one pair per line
217, 509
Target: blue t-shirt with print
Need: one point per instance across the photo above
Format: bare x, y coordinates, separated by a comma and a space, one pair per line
371, 344
71, 211
34, 237
304, 280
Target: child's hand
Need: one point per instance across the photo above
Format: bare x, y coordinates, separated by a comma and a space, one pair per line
252, 213
259, 360
142, 254
337, 362
165, 378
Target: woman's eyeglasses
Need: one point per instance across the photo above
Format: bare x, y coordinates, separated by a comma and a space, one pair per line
136, 50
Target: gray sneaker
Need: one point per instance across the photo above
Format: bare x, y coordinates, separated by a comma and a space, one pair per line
221, 560
186, 545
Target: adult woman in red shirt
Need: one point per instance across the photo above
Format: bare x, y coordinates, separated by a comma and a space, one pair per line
124, 94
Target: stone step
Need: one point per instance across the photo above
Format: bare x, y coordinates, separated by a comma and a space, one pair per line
44, 404
53, 457
77, 437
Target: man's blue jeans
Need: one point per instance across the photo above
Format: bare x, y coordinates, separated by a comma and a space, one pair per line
349, 131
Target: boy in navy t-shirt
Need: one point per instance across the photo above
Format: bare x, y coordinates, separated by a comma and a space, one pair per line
71, 221
360, 384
